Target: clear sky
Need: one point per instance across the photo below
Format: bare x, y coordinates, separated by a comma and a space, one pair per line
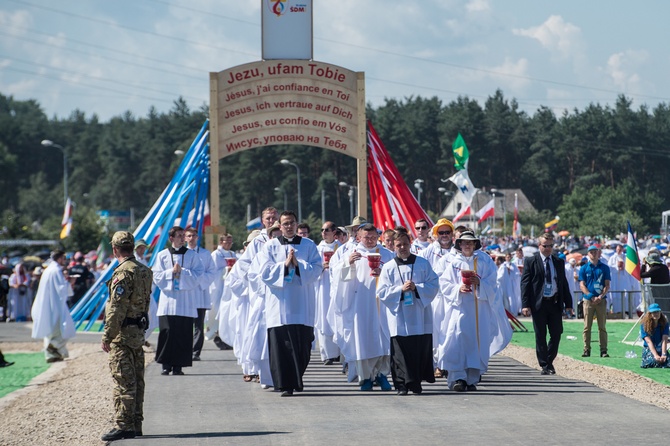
109, 56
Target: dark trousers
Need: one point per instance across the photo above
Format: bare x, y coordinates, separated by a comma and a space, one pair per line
549, 316
199, 331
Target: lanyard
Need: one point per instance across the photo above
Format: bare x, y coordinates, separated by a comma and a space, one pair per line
411, 272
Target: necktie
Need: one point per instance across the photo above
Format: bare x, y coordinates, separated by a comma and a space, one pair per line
547, 271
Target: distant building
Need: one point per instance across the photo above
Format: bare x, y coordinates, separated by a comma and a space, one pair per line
504, 204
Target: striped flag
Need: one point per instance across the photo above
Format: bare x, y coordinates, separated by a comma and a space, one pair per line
487, 211
632, 258
551, 225
67, 219
465, 210
515, 226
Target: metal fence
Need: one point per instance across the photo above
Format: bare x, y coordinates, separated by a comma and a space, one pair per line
659, 294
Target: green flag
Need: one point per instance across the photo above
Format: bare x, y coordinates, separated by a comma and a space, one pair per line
461, 154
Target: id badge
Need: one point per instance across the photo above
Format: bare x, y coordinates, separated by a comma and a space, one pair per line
547, 290
408, 298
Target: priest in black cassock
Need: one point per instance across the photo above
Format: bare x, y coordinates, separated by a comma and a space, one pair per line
289, 266
407, 286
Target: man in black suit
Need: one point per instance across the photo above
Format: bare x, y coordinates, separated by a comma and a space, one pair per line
544, 294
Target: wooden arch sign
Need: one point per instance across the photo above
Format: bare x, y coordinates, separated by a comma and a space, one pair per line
300, 102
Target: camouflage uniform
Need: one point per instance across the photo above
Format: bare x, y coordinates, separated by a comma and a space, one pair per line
129, 294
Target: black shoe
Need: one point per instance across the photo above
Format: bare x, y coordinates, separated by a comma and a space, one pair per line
328, 362
196, 358
551, 369
545, 371
177, 372
586, 354
460, 386
116, 434
165, 372
471, 387
6, 364
56, 359
287, 393
604, 355
402, 392
138, 433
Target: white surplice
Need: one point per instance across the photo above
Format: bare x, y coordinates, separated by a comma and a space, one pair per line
323, 324
202, 296
219, 258
294, 302
181, 302
438, 258
474, 332
365, 331
417, 318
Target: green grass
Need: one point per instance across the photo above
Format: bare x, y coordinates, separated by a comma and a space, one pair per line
616, 331
26, 367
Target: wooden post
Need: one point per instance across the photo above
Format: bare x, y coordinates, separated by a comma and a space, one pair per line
362, 157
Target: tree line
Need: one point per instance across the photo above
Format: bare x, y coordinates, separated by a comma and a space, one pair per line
596, 168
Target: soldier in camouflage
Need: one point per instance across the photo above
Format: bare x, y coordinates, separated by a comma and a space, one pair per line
126, 319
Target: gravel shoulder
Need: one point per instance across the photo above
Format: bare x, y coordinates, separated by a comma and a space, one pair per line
71, 402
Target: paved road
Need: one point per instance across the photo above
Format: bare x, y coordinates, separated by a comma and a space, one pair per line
211, 405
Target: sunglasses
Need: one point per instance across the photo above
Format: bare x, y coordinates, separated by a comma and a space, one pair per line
326, 230
547, 246
444, 232
419, 228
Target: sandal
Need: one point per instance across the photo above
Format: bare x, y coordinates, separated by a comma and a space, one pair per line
438, 373
247, 378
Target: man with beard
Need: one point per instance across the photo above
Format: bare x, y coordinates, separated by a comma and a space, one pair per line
437, 255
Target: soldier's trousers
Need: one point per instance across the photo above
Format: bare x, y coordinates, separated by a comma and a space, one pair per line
127, 367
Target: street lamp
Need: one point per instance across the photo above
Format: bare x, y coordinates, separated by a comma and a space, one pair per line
287, 162
49, 143
417, 185
447, 193
496, 193
279, 189
351, 198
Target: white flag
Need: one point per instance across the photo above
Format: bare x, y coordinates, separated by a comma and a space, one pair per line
462, 181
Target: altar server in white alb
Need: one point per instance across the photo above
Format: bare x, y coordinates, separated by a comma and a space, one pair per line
407, 286
224, 258
365, 335
478, 327
324, 324
437, 255
203, 301
50, 313
177, 272
255, 340
289, 266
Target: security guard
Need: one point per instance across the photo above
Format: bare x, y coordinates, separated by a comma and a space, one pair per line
126, 319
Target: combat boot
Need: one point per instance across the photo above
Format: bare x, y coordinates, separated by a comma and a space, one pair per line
117, 434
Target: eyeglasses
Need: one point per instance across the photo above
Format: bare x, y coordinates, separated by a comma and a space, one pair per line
420, 228
547, 246
444, 232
